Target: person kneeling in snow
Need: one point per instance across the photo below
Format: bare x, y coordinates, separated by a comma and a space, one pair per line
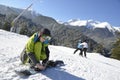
36, 50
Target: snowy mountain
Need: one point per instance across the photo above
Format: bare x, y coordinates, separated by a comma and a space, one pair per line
90, 24
64, 35
94, 67
117, 29
6, 10
96, 28
101, 32
76, 22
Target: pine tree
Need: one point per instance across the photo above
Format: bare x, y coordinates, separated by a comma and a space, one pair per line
116, 50
24, 30
7, 26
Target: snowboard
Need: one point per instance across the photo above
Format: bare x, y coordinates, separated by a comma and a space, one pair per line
28, 72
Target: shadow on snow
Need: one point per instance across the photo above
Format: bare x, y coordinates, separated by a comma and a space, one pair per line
59, 74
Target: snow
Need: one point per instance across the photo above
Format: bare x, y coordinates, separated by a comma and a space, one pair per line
117, 29
77, 22
104, 25
91, 24
94, 67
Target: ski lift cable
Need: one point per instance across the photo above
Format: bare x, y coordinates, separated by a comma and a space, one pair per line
22, 13
13, 22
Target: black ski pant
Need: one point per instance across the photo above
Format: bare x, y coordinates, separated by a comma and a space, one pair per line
84, 51
47, 54
81, 51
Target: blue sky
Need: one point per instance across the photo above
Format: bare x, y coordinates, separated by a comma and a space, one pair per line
64, 10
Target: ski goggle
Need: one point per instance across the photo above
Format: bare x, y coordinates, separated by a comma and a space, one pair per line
46, 38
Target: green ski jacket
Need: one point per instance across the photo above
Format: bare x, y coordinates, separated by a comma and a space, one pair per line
37, 48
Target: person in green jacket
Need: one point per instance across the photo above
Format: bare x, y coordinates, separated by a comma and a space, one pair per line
36, 49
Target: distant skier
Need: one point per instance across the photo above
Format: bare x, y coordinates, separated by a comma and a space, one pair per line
79, 47
85, 47
36, 50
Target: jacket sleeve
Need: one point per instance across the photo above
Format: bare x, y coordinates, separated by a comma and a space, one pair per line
30, 45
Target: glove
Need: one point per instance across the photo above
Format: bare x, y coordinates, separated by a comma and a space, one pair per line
39, 66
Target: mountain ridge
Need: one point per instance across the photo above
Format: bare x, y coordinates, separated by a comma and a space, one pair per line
90, 24
66, 35
99, 31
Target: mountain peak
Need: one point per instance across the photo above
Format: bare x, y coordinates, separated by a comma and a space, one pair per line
91, 24
76, 22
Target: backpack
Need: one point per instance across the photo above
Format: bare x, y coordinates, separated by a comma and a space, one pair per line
23, 56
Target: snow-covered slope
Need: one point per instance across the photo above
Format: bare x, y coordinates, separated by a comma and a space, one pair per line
94, 67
